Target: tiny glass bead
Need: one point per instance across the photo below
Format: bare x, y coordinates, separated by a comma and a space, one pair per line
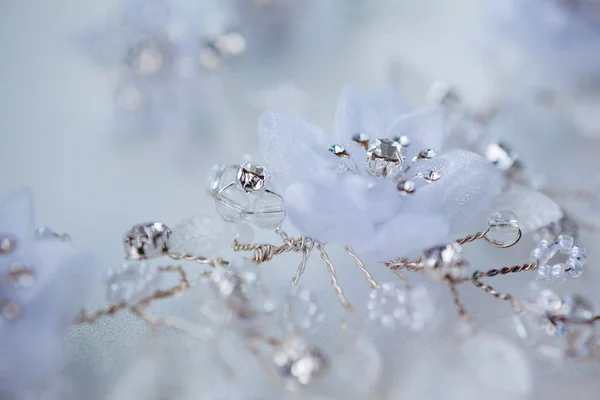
543, 272
231, 204
268, 211
580, 254
565, 244
503, 227
558, 274
574, 267
536, 255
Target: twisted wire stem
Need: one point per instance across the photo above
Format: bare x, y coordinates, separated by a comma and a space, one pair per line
362, 268
473, 237
198, 259
404, 264
462, 311
334, 282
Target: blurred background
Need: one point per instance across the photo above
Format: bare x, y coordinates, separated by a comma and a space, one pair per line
110, 129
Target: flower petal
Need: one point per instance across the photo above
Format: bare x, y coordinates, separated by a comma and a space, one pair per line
354, 115
17, 214
289, 146
426, 129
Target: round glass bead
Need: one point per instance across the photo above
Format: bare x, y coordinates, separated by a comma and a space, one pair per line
558, 274
580, 254
564, 244
574, 267
503, 228
268, 211
232, 204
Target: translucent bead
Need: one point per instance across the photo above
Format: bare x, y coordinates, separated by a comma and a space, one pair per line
243, 233
558, 274
503, 227
574, 267
132, 282
268, 211
299, 362
543, 272
200, 235
536, 255
301, 311
565, 244
232, 204
580, 254
219, 176
580, 335
548, 301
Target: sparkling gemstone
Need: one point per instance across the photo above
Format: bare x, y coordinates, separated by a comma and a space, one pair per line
404, 141
407, 187
9, 309
362, 139
503, 228
580, 254
427, 154
500, 155
301, 311
574, 267
565, 244
299, 361
132, 282
338, 150
445, 261
252, 178
147, 240
232, 204
557, 273
385, 158
21, 275
7, 244
268, 211
395, 307
431, 176
148, 58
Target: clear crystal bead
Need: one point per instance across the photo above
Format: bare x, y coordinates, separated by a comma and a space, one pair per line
232, 204
201, 235
338, 150
385, 158
543, 272
535, 255
406, 187
431, 176
299, 361
574, 267
427, 154
148, 240
558, 274
362, 139
446, 261
301, 311
580, 254
148, 58
268, 211
503, 227
548, 301
404, 141
132, 282
564, 244
500, 155
580, 331
252, 178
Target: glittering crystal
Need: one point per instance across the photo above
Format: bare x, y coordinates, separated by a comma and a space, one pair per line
535, 255
132, 282
426, 154
445, 261
201, 235
385, 158
232, 204
574, 267
500, 155
252, 178
407, 187
565, 244
431, 176
268, 211
362, 139
395, 307
9, 309
548, 301
338, 150
543, 272
503, 227
580, 254
404, 141
146, 240
301, 311
299, 361
7, 244
558, 274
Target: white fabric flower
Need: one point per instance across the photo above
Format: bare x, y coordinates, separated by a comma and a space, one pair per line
42, 289
363, 211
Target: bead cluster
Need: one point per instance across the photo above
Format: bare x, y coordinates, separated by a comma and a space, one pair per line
247, 197
546, 249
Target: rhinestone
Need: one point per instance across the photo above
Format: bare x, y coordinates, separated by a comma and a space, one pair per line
503, 228
268, 211
426, 154
406, 187
252, 178
9, 309
21, 275
7, 244
339, 150
385, 158
445, 261
502, 156
431, 176
404, 141
147, 240
362, 139
297, 360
